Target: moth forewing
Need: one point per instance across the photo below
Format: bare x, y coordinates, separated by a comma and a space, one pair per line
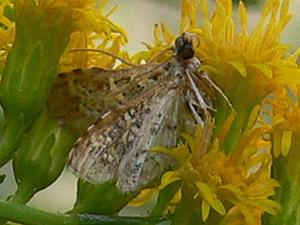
117, 145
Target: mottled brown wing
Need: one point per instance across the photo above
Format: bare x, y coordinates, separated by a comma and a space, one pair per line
82, 96
159, 128
118, 145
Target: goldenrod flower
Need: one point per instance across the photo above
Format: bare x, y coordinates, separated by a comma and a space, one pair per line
89, 27
240, 182
248, 67
284, 114
163, 38
93, 31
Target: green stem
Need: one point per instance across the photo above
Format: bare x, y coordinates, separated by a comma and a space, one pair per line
19, 213
236, 130
286, 170
108, 220
23, 194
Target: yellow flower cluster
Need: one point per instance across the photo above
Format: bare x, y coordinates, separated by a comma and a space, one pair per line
253, 69
241, 180
91, 29
248, 67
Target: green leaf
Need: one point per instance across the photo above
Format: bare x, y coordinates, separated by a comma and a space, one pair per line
40, 38
9, 13
286, 171
187, 211
164, 198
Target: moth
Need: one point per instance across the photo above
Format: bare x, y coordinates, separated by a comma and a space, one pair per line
131, 111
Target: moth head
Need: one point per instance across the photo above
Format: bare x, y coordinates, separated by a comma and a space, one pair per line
185, 45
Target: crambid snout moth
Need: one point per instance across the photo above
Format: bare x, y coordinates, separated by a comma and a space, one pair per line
131, 111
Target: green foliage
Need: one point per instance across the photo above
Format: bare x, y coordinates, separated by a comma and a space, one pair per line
29, 70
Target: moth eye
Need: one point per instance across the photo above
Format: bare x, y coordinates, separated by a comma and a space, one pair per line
186, 51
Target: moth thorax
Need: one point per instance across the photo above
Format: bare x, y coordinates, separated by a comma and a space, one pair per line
193, 64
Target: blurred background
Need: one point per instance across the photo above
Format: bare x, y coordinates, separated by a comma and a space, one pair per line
138, 18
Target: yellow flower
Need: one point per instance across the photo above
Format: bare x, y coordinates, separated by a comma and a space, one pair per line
233, 57
164, 39
285, 120
143, 197
239, 182
247, 67
258, 56
93, 30
90, 26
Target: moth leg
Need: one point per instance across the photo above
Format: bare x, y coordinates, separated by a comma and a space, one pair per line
220, 92
208, 119
194, 112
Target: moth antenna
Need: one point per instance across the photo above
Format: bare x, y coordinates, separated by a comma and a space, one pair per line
222, 94
159, 54
106, 53
196, 38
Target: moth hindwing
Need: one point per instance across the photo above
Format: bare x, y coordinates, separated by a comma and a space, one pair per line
131, 111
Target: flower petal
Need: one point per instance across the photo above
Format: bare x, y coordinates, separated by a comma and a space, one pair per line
239, 66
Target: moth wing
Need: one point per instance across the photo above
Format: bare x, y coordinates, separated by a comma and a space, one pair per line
158, 128
96, 156
76, 97
123, 137
80, 97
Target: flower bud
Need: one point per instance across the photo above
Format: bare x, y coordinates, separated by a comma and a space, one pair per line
41, 37
41, 156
